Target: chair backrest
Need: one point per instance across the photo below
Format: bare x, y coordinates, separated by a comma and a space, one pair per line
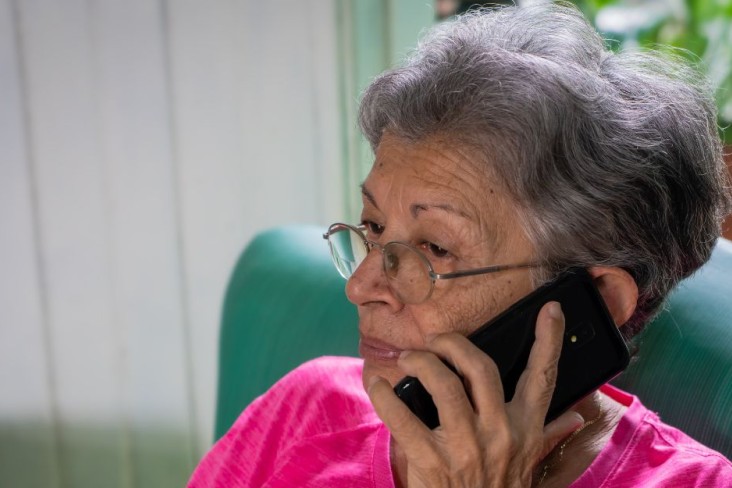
285, 304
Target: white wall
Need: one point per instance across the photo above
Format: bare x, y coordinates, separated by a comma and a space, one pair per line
142, 143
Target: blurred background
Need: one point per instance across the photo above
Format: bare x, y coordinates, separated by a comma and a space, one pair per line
142, 144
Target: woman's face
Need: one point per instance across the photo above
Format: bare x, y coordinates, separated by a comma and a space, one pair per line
434, 197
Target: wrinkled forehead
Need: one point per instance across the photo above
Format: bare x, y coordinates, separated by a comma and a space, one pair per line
442, 187
434, 170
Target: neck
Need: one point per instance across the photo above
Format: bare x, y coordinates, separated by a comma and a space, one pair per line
577, 456
582, 450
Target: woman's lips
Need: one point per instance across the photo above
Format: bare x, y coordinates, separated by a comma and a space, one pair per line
377, 350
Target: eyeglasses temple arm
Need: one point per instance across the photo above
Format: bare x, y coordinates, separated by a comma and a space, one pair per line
479, 271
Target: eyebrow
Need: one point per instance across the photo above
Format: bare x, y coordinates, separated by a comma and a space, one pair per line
416, 208
369, 196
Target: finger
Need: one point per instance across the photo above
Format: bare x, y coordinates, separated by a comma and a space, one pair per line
559, 429
403, 425
481, 377
446, 387
536, 384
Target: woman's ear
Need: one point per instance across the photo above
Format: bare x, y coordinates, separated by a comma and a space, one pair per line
618, 289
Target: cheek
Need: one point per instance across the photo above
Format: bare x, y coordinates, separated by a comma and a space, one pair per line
461, 310
464, 308
513, 290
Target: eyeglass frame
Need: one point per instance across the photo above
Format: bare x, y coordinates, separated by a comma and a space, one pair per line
360, 229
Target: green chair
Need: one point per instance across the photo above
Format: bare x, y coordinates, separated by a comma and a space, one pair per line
285, 304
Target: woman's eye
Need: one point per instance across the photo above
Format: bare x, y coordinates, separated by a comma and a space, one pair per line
436, 250
373, 227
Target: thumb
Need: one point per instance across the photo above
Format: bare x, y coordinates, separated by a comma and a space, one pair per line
559, 429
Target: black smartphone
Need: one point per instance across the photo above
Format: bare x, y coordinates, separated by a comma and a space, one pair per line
593, 351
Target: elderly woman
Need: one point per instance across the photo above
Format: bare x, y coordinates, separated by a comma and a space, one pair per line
511, 137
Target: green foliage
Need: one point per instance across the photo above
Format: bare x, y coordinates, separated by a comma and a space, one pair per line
701, 27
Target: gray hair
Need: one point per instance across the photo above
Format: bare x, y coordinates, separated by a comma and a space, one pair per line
612, 159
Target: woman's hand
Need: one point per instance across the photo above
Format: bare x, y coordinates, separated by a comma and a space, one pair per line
488, 443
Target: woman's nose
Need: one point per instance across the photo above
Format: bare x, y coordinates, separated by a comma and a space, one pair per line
368, 284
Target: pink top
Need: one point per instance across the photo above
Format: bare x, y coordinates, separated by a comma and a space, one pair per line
316, 427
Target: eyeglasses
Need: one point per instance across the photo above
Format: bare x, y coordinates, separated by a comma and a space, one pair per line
409, 273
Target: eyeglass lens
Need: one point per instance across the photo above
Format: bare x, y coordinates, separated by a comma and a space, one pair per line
347, 249
407, 272
406, 269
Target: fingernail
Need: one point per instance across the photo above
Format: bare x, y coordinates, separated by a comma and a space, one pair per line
404, 354
579, 419
429, 338
373, 380
555, 310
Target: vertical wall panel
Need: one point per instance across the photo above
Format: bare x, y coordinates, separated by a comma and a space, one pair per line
407, 19
159, 138
74, 240
27, 442
325, 109
247, 145
210, 176
135, 139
